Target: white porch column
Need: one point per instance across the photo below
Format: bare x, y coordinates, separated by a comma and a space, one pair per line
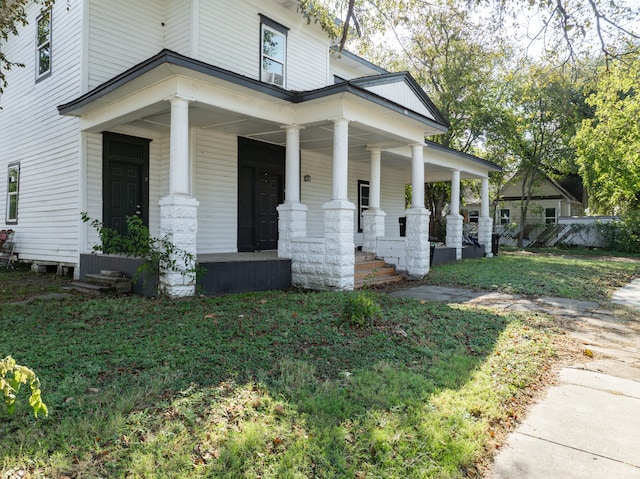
417, 235
179, 148
292, 215
178, 210
373, 218
340, 158
485, 223
339, 216
455, 219
417, 175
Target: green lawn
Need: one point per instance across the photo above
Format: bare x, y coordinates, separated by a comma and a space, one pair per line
270, 385
564, 273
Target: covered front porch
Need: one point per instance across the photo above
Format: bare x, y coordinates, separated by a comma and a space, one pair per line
333, 141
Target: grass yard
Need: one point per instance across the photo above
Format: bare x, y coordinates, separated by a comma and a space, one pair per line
576, 274
275, 384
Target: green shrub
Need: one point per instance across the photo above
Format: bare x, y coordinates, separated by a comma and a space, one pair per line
12, 377
160, 255
622, 235
360, 310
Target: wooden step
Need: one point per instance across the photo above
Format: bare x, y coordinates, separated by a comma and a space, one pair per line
370, 265
358, 284
369, 271
95, 289
120, 284
385, 270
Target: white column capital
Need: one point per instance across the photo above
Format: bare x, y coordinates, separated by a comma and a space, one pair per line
177, 97
292, 127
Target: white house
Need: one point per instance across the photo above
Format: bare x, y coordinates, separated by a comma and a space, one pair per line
232, 125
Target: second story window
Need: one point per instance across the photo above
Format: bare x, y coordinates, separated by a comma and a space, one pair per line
273, 56
43, 45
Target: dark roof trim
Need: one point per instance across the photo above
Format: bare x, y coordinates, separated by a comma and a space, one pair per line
362, 61
463, 155
273, 24
352, 86
172, 58
539, 197
411, 82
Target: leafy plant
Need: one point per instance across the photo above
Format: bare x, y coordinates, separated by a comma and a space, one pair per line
360, 310
12, 377
160, 255
622, 235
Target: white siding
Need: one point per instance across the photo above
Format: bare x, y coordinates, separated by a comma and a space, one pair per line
122, 33
178, 26
216, 190
318, 191
46, 145
232, 41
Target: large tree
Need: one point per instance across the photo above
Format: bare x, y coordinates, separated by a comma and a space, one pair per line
535, 129
608, 145
560, 23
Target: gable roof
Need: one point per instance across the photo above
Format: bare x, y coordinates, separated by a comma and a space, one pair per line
562, 192
369, 88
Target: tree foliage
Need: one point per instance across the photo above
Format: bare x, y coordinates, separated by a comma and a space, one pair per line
537, 125
13, 15
608, 145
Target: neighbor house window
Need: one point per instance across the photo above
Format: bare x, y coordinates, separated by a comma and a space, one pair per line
473, 216
13, 183
273, 56
363, 201
505, 216
549, 215
43, 45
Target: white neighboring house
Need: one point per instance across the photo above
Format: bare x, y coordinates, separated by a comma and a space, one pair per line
232, 125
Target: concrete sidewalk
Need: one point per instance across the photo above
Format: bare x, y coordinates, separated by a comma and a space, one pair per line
588, 424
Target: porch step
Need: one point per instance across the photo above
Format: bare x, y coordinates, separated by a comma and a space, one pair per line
370, 270
105, 283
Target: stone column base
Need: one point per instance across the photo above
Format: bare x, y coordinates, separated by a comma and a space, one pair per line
454, 234
339, 244
485, 230
179, 223
418, 245
292, 223
372, 228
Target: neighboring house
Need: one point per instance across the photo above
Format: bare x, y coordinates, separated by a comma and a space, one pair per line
550, 201
232, 125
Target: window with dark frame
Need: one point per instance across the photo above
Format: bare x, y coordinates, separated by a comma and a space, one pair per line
363, 201
43, 45
13, 188
505, 216
549, 215
273, 52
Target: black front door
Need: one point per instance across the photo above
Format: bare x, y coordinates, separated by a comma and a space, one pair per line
269, 197
125, 180
260, 191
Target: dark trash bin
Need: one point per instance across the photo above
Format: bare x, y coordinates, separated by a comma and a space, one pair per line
495, 242
403, 226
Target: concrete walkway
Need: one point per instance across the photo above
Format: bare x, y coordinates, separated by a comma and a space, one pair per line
588, 424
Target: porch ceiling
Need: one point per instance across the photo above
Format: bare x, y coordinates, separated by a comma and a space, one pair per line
317, 138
